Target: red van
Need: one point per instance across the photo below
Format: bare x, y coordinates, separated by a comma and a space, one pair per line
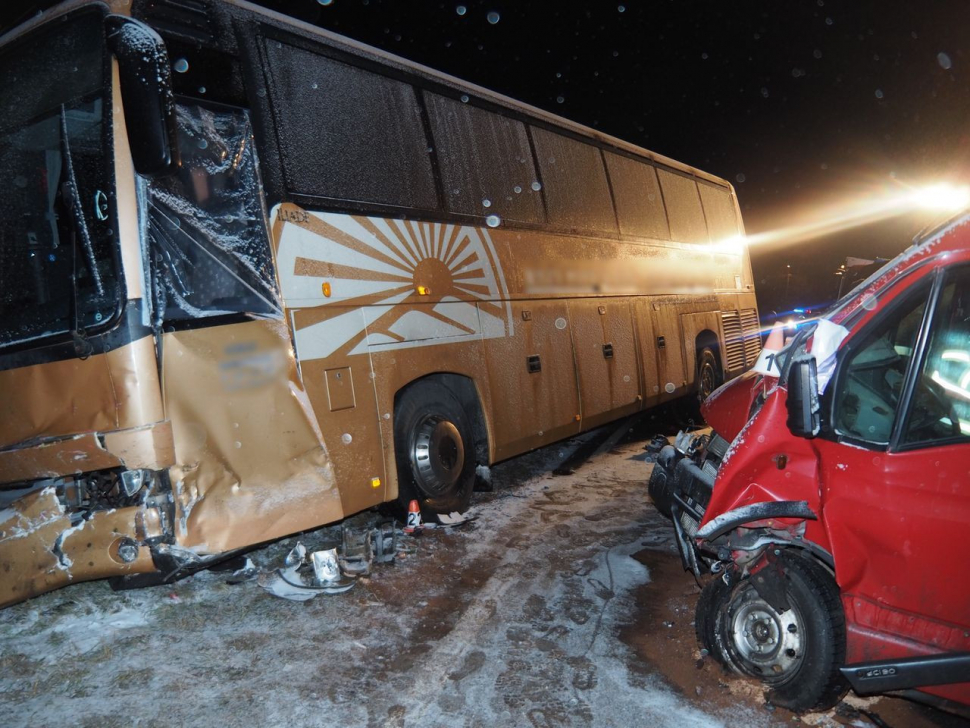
832, 501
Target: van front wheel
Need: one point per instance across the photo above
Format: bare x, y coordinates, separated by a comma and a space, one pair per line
433, 447
796, 648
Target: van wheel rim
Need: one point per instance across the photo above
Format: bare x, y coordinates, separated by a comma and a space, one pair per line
769, 642
438, 455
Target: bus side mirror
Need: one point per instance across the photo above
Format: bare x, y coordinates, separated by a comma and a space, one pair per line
146, 91
803, 406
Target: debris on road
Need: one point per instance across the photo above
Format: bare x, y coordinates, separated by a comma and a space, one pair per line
300, 581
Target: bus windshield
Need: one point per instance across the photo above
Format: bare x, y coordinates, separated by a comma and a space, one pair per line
53, 151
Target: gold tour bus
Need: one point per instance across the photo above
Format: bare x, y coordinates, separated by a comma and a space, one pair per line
256, 277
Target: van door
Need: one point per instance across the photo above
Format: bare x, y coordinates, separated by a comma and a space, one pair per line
896, 485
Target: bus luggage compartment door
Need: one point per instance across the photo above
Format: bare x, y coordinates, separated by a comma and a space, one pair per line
606, 359
534, 401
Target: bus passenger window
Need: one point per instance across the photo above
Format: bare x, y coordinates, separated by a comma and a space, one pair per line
639, 204
577, 193
684, 210
348, 134
485, 162
719, 209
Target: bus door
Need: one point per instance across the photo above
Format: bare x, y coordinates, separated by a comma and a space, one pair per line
606, 359
535, 393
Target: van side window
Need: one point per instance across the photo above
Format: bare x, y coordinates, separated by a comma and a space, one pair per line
348, 134
940, 407
871, 380
485, 162
574, 180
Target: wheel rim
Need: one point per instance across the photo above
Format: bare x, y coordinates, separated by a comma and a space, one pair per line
768, 643
708, 380
438, 455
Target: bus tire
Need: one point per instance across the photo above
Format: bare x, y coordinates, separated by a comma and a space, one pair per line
434, 449
797, 651
708, 375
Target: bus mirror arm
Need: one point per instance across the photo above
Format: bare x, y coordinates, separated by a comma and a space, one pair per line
146, 92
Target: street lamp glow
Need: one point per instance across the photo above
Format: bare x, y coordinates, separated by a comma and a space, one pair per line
942, 197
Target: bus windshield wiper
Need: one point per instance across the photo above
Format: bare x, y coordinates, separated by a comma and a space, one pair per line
80, 229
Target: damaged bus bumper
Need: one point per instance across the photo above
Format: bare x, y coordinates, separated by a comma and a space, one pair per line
44, 546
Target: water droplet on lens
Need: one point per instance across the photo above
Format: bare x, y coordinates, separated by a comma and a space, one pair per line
517, 189
486, 202
493, 221
461, 10
559, 99
944, 60
536, 186
464, 98
181, 65
203, 143
325, 3
201, 89
740, 177
492, 17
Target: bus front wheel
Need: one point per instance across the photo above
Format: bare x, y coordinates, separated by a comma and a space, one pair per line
433, 445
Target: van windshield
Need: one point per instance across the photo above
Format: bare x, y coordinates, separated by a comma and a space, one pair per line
52, 108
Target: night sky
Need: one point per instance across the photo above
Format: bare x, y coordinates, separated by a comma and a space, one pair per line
801, 104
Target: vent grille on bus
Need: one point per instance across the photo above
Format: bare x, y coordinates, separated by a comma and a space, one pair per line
733, 340
742, 338
752, 335
186, 19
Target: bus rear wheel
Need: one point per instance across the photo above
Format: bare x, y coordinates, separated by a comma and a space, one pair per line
433, 446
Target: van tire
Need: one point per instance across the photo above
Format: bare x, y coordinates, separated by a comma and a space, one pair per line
710, 609
434, 449
796, 651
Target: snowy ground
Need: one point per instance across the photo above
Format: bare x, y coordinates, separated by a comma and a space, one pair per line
539, 613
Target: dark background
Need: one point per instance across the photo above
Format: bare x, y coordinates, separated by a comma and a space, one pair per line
801, 104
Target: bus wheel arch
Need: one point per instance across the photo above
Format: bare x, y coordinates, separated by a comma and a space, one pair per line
439, 438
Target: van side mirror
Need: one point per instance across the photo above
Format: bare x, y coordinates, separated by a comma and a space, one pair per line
804, 418
146, 91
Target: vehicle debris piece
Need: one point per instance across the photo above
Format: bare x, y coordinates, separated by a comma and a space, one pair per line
297, 583
385, 542
455, 519
356, 551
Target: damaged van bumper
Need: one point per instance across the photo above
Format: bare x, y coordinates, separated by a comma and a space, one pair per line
681, 485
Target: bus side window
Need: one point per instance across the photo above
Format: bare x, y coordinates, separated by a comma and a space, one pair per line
719, 210
639, 204
684, 211
348, 134
485, 162
577, 193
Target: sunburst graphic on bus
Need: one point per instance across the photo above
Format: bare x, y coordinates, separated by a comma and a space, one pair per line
384, 284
